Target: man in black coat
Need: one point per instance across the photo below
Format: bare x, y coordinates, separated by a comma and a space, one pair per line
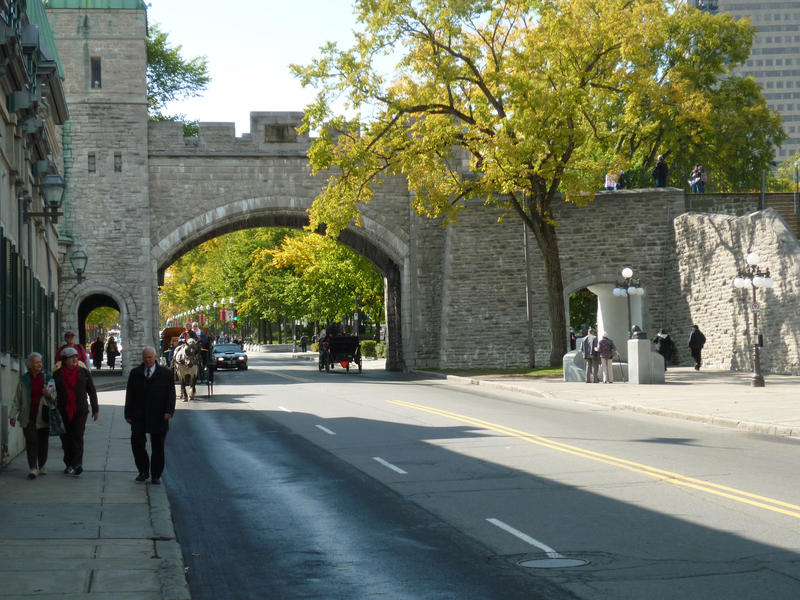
149, 405
696, 342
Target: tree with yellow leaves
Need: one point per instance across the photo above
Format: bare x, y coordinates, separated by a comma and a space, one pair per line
539, 95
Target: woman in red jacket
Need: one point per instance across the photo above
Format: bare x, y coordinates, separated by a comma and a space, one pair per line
74, 386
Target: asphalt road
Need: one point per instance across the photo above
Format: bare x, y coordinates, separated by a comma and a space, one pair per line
290, 483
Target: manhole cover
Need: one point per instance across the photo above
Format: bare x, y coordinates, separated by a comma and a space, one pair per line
553, 563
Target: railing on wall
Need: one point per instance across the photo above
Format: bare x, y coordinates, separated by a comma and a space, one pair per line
737, 205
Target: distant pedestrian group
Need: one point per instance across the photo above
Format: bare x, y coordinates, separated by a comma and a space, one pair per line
597, 352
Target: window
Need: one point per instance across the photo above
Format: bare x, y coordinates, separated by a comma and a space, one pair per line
97, 79
92, 163
117, 162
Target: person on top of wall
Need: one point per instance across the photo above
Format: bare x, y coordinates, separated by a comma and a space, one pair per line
660, 172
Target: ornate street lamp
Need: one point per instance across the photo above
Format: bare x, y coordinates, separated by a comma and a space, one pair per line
628, 287
752, 277
78, 260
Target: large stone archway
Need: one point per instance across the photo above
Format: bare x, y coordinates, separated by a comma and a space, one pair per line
372, 241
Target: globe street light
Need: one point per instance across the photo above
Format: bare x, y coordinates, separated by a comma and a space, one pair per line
628, 287
752, 277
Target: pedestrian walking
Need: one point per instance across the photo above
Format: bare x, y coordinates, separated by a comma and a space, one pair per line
112, 352
304, 343
664, 346
660, 172
589, 351
74, 391
69, 339
696, 342
149, 406
606, 349
33, 401
573, 339
96, 350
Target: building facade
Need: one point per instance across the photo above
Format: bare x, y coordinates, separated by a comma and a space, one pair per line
31, 112
774, 60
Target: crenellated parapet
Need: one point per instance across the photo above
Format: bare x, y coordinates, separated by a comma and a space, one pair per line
271, 134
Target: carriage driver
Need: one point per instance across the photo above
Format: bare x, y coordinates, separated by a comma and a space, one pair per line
202, 339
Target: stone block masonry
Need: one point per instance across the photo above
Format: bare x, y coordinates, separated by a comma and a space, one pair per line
711, 249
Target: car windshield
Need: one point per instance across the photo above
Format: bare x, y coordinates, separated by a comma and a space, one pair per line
227, 348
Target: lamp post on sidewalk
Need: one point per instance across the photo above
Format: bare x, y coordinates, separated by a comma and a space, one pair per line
628, 287
752, 277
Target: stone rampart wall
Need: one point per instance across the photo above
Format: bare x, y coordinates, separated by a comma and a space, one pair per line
711, 249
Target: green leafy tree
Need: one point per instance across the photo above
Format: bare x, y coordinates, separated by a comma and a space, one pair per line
171, 77
539, 96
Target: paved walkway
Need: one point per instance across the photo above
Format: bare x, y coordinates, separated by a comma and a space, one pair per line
104, 534
101, 533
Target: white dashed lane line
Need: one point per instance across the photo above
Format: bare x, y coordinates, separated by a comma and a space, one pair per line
389, 465
326, 430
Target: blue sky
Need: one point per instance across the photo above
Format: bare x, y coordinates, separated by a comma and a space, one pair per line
249, 45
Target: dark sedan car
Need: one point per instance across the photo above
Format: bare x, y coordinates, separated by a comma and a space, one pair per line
229, 356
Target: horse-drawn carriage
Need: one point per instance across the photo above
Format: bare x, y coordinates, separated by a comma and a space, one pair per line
189, 361
342, 349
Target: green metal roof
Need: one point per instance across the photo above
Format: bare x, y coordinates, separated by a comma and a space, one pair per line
37, 16
96, 4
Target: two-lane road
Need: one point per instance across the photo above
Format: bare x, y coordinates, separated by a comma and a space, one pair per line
291, 483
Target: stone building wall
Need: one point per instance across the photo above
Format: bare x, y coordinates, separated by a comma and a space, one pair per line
711, 250
107, 187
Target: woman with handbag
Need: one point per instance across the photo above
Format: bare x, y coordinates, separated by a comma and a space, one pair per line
75, 389
34, 399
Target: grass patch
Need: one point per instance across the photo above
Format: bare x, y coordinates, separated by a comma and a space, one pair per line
521, 372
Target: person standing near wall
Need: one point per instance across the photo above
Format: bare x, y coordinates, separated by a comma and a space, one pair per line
606, 350
32, 402
696, 342
589, 351
660, 172
664, 345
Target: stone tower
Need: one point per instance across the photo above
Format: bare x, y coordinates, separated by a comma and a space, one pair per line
102, 45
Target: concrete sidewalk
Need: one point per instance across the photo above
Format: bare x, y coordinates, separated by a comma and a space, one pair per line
723, 398
101, 533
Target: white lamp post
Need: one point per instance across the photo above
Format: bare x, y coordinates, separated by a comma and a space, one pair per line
752, 278
628, 287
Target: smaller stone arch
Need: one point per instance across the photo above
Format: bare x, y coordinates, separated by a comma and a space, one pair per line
612, 311
80, 300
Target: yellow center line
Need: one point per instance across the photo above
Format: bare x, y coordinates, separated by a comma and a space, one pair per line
300, 379
709, 487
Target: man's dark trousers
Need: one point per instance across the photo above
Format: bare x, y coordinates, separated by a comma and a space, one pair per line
153, 465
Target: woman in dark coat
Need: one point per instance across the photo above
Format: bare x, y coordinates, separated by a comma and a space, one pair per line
96, 350
112, 352
74, 390
664, 346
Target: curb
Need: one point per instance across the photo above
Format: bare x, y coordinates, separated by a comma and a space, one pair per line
762, 428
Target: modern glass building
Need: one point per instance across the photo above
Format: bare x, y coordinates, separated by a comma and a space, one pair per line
775, 59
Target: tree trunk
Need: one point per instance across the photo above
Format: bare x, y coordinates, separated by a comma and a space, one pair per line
545, 232
555, 297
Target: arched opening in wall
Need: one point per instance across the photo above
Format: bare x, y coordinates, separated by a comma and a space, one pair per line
99, 321
582, 311
275, 285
